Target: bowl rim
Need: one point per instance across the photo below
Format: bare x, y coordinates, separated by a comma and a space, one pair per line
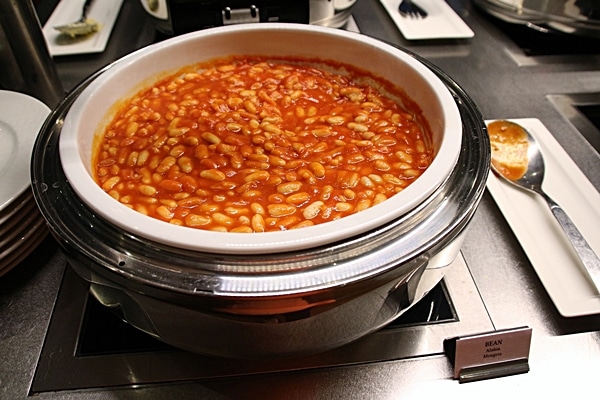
266, 242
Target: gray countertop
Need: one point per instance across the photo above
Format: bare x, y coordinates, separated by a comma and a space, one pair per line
565, 352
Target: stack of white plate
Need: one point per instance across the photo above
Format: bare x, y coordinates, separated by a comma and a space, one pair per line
22, 226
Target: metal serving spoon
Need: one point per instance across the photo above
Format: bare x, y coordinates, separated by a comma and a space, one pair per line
516, 157
83, 26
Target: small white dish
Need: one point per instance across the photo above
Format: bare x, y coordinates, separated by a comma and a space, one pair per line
104, 12
442, 22
540, 235
21, 118
90, 112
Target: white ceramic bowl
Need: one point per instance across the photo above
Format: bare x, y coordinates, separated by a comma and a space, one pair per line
91, 112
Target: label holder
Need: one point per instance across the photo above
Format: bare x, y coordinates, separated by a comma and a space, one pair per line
489, 355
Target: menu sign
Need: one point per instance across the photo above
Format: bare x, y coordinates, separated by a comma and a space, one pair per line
489, 355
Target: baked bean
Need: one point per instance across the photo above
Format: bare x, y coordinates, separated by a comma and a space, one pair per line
166, 164
287, 222
411, 173
249, 145
317, 168
379, 197
257, 176
190, 202
326, 192
164, 212
349, 194
312, 210
170, 185
110, 183
289, 187
280, 210
147, 190
222, 219
363, 204
195, 221
213, 174
302, 224
382, 165
143, 157
258, 223
298, 198
242, 229
343, 206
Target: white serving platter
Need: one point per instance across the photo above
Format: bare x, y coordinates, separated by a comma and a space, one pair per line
441, 22
104, 12
541, 237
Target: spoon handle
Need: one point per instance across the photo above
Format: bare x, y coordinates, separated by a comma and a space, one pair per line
86, 7
580, 245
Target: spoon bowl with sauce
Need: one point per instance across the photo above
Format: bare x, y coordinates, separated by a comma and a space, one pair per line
517, 158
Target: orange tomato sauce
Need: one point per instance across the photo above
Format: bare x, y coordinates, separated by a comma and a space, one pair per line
248, 144
509, 148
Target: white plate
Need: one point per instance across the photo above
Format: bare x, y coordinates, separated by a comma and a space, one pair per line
104, 12
21, 118
18, 238
23, 247
12, 226
441, 22
18, 203
540, 235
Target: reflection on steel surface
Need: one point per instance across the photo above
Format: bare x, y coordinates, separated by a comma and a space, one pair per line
68, 363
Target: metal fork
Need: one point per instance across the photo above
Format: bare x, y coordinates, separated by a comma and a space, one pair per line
409, 9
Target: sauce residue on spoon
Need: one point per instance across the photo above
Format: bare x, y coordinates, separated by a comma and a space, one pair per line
509, 149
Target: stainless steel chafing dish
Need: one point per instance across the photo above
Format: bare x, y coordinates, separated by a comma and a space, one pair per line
265, 305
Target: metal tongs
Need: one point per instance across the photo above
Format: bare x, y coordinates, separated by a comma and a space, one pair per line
83, 26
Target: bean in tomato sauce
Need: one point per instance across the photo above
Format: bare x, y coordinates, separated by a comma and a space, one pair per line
247, 144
